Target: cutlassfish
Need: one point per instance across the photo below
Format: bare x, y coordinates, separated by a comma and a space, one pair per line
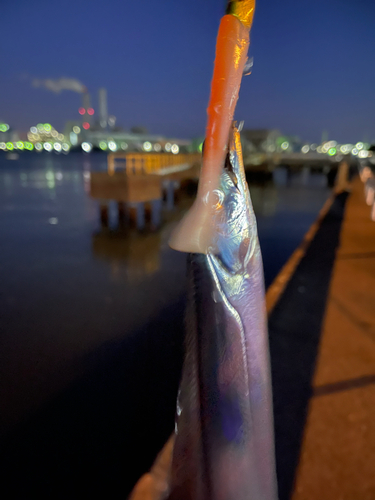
224, 445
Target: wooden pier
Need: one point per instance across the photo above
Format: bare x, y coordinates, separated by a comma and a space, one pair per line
139, 182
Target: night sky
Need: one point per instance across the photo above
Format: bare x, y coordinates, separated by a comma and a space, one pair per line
314, 65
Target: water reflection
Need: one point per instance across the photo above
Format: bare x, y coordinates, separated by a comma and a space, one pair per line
132, 255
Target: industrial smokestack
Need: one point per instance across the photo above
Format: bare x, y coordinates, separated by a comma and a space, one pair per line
103, 108
60, 84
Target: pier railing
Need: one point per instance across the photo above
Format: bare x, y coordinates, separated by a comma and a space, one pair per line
149, 163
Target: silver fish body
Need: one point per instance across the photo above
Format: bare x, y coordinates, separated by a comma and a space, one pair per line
224, 446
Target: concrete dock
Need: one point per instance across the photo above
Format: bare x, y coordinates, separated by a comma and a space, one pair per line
337, 459
322, 343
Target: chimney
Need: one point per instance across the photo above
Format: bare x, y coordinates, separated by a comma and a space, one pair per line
103, 108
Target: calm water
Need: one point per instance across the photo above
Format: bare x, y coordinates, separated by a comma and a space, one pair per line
70, 290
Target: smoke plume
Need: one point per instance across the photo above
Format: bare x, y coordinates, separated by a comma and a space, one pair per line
61, 84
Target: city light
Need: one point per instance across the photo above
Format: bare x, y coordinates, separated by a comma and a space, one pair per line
285, 145
3, 145
332, 151
313, 147
76, 129
175, 149
10, 146
57, 146
86, 146
33, 130
167, 147
157, 147
47, 127
305, 149
86, 125
54, 133
359, 145
103, 145
65, 147
147, 146
124, 145
40, 126
73, 139
60, 137
4, 127
29, 146
90, 111
112, 145
355, 151
363, 154
81, 111
47, 146
20, 145
38, 146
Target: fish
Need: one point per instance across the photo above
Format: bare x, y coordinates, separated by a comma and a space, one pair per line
224, 438
223, 443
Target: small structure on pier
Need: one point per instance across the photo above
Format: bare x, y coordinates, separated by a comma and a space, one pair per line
138, 182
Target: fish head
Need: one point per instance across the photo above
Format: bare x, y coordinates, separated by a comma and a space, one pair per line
235, 223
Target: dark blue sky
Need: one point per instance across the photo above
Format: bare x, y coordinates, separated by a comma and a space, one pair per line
314, 66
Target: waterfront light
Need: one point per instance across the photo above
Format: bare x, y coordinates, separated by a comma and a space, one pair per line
285, 145
38, 146
305, 149
112, 145
9, 146
47, 146
65, 146
86, 146
167, 147
103, 145
29, 146
3, 145
175, 149
20, 145
157, 147
147, 146
76, 129
57, 146
363, 154
332, 151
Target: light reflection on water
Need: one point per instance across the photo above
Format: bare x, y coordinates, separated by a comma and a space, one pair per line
68, 285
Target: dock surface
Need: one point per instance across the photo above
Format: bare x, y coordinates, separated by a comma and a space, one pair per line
337, 458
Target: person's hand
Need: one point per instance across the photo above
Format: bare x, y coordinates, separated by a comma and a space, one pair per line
155, 484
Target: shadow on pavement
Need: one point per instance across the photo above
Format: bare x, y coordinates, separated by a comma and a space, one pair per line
295, 327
